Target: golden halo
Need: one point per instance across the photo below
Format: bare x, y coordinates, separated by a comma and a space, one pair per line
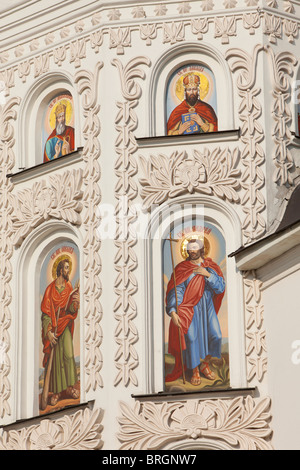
204, 85
69, 112
55, 264
185, 241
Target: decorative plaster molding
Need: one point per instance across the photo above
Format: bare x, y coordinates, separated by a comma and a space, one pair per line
119, 39
208, 172
126, 334
7, 161
282, 67
87, 83
80, 431
60, 200
252, 134
256, 352
224, 28
76, 36
242, 423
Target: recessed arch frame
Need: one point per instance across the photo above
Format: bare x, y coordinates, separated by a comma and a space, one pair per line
166, 65
27, 260
227, 221
30, 152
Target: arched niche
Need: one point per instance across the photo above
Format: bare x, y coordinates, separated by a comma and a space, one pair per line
32, 129
215, 213
181, 56
29, 261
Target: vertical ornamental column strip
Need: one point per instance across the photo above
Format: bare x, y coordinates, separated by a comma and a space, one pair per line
253, 202
7, 160
88, 87
281, 68
125, 309
252, 134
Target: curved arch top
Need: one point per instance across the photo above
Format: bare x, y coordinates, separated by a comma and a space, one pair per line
31, 111
181, 55
30, 265
214, 215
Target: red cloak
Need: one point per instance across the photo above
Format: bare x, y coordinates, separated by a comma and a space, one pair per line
191, 297
52, 301
68, 134
204, 110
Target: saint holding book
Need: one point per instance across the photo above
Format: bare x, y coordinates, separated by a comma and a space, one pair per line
192, 115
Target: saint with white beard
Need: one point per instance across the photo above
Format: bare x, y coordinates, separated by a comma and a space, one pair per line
61, 140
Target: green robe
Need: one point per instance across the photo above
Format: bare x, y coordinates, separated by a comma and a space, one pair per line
63, 373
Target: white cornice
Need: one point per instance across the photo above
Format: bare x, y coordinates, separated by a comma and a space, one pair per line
262, 252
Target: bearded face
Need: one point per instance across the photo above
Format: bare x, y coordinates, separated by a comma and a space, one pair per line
60, 123
65, 271
191, 96
194, 251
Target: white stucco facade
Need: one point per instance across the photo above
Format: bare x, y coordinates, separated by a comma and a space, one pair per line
115, 59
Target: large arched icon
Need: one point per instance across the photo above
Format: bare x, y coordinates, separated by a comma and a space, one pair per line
58, 127
191, 105
59, 356
194, 269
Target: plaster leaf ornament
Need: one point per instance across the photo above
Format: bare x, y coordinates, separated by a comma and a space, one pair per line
120, 38
24, 70
272, 4
114, 14
60, 54
205, 172
290, 28
19, 51
242, 423
230, 3
288, 6
79, 26
77, 51
255, 347
224, 28
184, 8
251, 3
33, 206
81, 431
251, 21
272, 27
199, 27
34, 45
4, 56
49, 39
41, 64
7, 80
96, 18
160, 10
64, 32
207, 5
148, 32
138, 12
173, 33
96, 39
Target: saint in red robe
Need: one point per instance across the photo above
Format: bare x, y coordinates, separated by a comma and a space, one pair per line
205, 111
